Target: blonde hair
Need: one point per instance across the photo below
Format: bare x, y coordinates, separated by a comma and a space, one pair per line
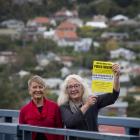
63, 96
37, 79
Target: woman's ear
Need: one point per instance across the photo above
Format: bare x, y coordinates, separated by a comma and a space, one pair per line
82, 88
29, 91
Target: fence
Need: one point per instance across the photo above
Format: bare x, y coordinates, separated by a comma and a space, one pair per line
10, 130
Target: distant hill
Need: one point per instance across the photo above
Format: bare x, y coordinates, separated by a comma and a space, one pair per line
86, 8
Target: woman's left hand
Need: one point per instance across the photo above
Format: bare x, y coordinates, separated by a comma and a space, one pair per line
116, 69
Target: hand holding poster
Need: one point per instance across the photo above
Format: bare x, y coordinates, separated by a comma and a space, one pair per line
102, 77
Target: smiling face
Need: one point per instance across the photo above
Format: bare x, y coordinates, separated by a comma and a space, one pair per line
75, 90
36, 90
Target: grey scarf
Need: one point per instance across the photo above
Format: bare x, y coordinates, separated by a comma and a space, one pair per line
75, 106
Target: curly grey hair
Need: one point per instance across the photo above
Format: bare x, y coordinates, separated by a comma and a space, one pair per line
63, 96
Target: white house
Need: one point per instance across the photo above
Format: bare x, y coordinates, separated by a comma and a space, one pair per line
125, 66
123, 53
83, 44
45, 59
13, 24
96, 24
42, 60
49, 34
23, 73
124, 78
64, 72
118, 36
76, 21
7, 57
119, 18
53, 83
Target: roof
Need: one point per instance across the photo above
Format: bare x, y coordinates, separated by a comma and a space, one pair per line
67, 26
68, 58
67, 13
119, 17
96, 24
71, 35
41, 20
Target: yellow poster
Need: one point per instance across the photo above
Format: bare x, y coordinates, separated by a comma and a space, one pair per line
102, 77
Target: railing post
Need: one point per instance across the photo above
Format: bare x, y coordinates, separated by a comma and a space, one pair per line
8, 119
26, 135
132, 131
8, 136
2, 136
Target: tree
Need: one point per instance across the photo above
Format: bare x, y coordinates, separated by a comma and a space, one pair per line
111, 44
135, 80
133, 109
44, 45
6, 9
6, 43
85, 31
25, 58
10, 98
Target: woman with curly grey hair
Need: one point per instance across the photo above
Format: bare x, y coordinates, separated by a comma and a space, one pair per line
79, 109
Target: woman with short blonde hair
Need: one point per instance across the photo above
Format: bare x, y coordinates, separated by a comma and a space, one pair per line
40, 111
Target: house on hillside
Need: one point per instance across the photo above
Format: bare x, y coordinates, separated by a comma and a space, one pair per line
64, 72
21, 2
77, 21
67, 60
23, 73
125, 66
12, 24
96, 24
49, 34
130, 22
45, 59
117, 36
64, 14
7, 57
37, 25
41, 21
135, 70
100, 18
118, 18
65, 34
53, 83
83, 45
122, 53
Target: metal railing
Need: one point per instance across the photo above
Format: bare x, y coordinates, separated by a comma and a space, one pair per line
14, 131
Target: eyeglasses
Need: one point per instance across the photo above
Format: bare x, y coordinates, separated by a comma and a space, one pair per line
75, 86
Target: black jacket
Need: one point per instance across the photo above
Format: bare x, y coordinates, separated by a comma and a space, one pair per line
87, 121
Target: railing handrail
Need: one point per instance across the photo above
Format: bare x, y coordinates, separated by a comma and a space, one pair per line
9, 113
119, 121
102, 120
8, 128
20, 131
77, 133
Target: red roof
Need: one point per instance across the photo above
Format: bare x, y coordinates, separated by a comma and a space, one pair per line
41, 20
67, 26
67, 58
66, 35
111, 129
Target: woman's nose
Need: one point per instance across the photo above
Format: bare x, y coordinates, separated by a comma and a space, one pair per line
38, 89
